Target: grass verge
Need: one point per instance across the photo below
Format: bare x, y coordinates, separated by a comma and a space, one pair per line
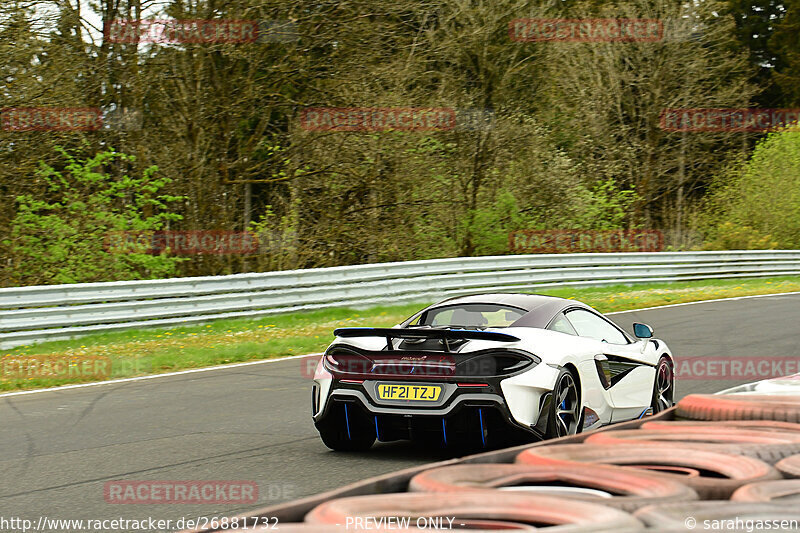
153, 351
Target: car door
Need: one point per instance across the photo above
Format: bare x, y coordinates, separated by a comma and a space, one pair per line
626, 372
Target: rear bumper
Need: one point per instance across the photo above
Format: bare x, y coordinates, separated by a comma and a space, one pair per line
464, 415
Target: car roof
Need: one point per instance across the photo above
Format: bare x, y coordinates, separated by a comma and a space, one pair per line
540, 308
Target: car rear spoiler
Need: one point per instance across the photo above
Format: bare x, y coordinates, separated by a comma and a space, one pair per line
413, 333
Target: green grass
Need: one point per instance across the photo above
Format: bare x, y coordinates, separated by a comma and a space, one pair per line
154, 351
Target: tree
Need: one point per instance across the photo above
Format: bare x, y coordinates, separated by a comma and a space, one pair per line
785, 42
606, 99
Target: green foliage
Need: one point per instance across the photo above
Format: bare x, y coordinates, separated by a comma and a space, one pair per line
602, 207
770, 31
62, 238
490, 226
729, 236
573, 139
277, 239
757, 204
606, 206
785, 42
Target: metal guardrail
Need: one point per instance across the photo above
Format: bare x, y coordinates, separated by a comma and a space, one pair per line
54, 312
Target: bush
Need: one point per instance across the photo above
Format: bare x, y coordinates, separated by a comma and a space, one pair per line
728, 236
61, 239
757, 204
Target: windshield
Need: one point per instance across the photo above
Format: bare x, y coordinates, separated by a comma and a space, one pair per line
470, 316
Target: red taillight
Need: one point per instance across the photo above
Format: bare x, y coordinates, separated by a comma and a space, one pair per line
346, 363
473, 384
359, 381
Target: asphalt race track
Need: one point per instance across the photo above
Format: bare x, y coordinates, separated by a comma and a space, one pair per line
57, 449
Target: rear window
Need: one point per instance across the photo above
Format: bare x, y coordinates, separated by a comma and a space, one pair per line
471, 316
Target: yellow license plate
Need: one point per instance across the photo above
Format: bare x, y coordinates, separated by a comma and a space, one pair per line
422, 393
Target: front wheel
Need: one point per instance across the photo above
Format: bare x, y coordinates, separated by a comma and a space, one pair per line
565, 411
663, 386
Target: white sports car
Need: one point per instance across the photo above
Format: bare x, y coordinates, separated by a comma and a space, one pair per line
488, 370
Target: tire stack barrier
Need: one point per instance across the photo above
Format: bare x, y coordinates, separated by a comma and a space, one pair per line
727, 457
769, 446
480, 510
625, 489
712, 475
675, 515
789, 467
782, 407
770, 491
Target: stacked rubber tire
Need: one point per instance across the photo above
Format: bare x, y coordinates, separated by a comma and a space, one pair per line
727, 462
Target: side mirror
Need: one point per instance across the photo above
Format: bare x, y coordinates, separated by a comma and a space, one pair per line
642, 331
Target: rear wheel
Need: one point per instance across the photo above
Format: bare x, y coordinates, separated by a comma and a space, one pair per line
663, 387
347, 429
565, 412
339, 441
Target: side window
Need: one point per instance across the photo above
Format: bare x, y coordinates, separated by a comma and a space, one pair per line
443, 318
590, 325
562, 325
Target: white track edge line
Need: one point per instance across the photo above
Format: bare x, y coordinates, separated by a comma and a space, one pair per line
705, 302
154, 376
249, 363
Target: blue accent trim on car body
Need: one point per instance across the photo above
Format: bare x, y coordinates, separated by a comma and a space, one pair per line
347, 422
483, 437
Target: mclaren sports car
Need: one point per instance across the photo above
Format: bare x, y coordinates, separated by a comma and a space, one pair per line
488, 370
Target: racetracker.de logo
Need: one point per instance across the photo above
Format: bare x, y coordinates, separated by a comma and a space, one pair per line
180, 492
54, 367
168, 31
51, 119
736, 368
196, 242
743, 119
574, 241
586, 30
378, 119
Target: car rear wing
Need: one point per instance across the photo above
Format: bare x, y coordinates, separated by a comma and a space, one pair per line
414, 333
